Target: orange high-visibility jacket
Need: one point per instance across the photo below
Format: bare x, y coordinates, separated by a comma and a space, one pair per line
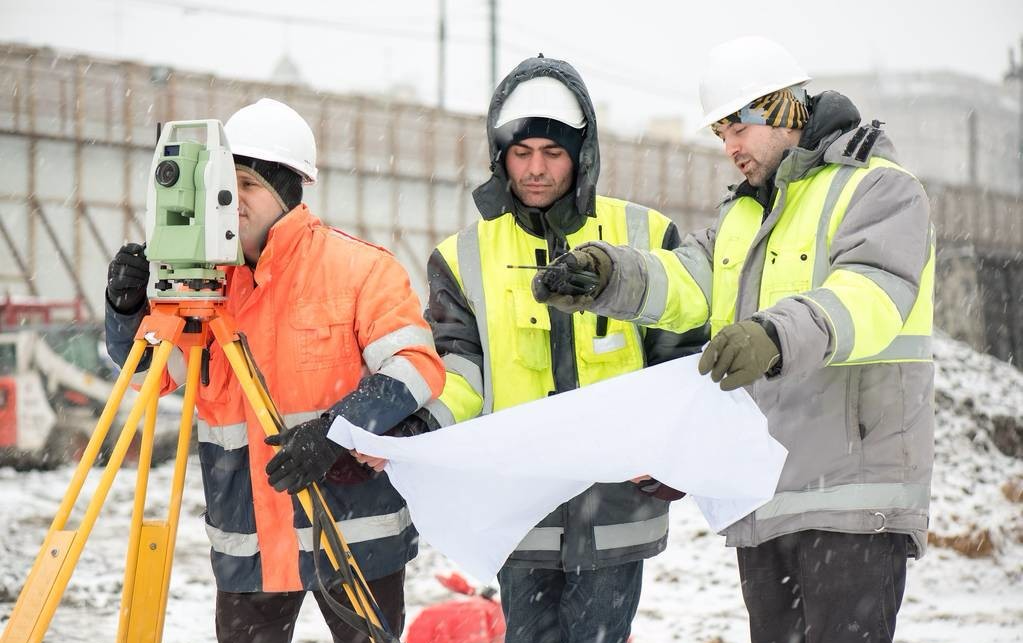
332, 322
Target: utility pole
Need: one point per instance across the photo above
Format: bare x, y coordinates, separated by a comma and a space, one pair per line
971, 147
1016, 73
442, 28
493, 45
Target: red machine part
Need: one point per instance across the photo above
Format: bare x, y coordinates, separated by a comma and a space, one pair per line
474, 620
8, 413
16, 312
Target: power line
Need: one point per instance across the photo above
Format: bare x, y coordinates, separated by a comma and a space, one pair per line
595, 65
321, 22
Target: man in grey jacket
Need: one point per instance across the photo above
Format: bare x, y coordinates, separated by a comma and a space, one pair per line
817, 283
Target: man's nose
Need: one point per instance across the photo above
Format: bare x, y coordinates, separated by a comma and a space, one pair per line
537, 165
732, 147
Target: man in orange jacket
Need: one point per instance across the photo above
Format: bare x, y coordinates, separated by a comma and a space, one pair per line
336, 331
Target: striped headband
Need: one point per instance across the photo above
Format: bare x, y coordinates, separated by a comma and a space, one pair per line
783, 108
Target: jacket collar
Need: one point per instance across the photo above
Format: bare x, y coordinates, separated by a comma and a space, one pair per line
283, 241
833, 121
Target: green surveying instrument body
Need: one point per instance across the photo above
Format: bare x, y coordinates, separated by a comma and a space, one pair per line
192, 209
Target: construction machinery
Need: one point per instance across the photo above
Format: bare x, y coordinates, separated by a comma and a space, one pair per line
55, 377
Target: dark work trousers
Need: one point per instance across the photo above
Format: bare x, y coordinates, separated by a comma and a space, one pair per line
554, 606
263, 617
824, 587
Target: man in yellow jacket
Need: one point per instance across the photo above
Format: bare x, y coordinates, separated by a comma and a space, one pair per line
817, 282
336, 331
577, 575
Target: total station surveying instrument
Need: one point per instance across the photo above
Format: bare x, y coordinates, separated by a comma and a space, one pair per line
191, 233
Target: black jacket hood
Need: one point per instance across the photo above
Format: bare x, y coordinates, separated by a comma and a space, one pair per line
494, 197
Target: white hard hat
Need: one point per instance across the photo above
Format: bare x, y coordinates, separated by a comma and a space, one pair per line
742, 70
272, 131
542, 97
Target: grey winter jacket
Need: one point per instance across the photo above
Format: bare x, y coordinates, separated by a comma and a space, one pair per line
860, 437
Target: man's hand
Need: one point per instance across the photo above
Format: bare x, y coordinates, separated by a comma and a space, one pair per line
305, 455
354, 467
127, 278
574, 279
653, 487
371, 461
348, 470
739, 355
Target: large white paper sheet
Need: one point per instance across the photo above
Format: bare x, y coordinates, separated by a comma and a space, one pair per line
476, 488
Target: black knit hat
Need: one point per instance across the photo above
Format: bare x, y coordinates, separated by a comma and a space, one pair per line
520, 129
285, 183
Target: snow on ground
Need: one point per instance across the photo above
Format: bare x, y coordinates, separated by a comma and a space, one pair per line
690, 592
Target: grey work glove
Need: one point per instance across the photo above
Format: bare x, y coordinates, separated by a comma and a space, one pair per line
739, 355
127, 278
305, 456
574, 280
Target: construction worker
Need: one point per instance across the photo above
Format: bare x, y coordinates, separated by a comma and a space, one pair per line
577, 575
336, 331
817, 282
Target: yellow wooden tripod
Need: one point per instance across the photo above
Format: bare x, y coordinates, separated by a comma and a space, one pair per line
187, 324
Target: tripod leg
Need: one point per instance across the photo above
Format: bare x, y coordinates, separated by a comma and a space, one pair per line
180, 467
268, 416
148, 571
59, 554
145, 540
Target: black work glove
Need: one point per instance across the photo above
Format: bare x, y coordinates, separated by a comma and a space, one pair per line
127, 278
347, 470
659, 490
574, 279
305, 456
739, 355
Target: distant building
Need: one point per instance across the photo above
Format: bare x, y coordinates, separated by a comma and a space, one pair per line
946, 126
287, 72
670, 129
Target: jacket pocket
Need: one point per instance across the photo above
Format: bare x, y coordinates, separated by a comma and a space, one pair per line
881, 412
323, 332
532, 330
788, 270
726, 289
617, 344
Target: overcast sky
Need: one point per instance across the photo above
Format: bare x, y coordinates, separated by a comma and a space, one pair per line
640, 58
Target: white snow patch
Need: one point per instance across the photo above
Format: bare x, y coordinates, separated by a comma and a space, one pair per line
690, 592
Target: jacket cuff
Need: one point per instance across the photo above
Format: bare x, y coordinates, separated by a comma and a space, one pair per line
624, 294
804, 341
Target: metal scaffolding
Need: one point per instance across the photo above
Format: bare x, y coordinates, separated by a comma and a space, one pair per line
77, 134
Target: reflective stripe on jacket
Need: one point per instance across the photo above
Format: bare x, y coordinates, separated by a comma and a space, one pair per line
508, 360
843, 267
331, 317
